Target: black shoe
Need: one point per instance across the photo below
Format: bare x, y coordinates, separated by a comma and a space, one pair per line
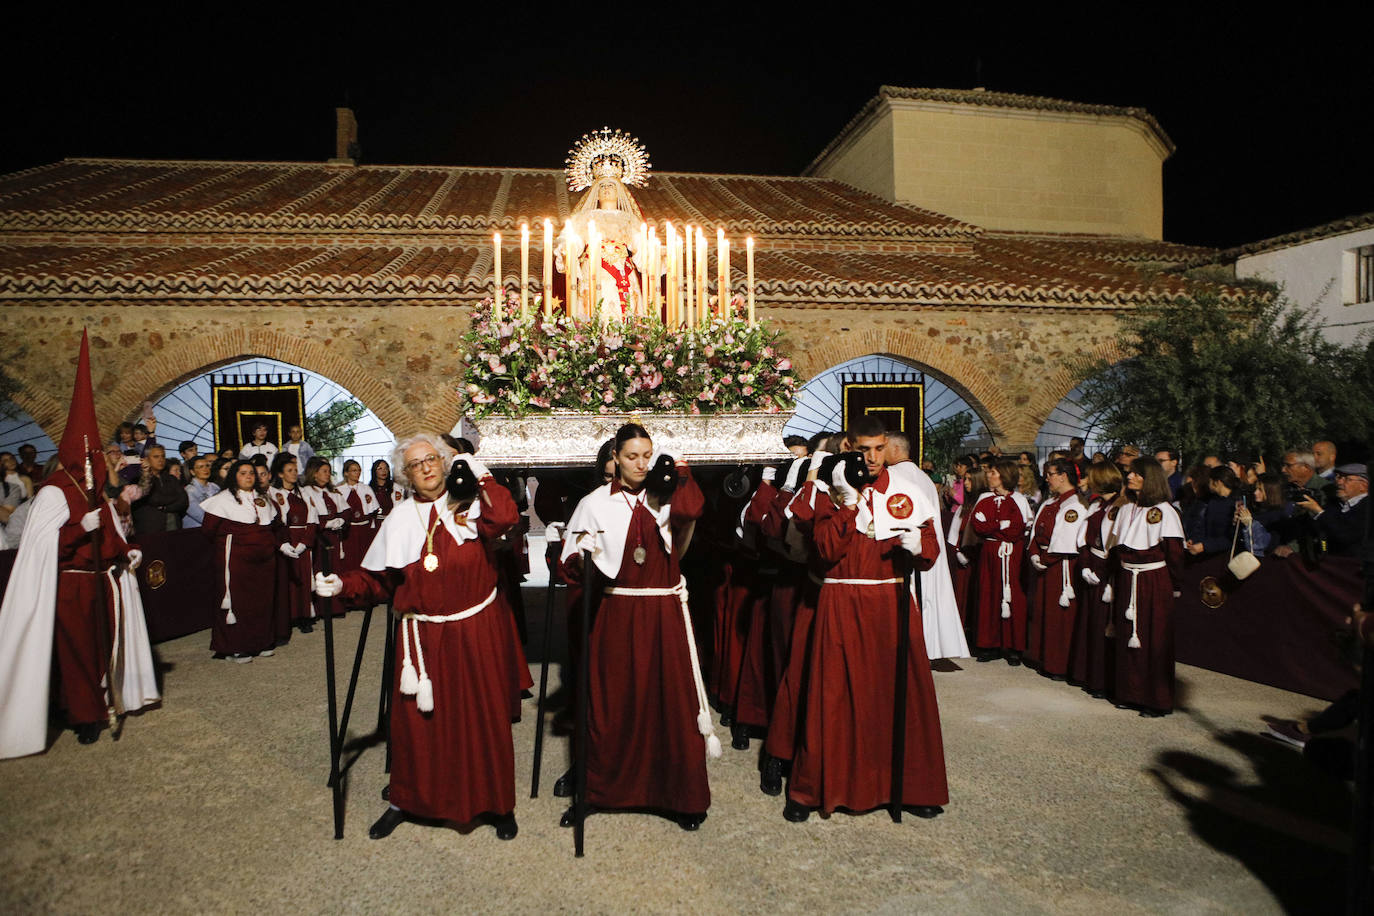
1014, 659
727, 718
505, 825
306, 627
391, 819
795, 812
770, 779
989, 656
1149, 713
1098, 694
739, 737
1058, 677
690, 822
569, 818
926, 811
89, 733
386, 793
563, 786
564, 723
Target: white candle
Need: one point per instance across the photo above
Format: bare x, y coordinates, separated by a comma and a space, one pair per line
593, 266
703, 304
496, 279
524, 271
670, 288
722, 271
688, 276
642, 258
570, 270
749, 271
548, 268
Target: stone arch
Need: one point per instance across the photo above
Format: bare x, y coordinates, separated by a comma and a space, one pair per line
166, 368
983, 392
49, 413
1056, 385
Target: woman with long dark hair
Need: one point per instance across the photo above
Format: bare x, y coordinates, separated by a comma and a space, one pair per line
1270, 511
247, 533
360, 510
647, 707
964, 544
1000, 517
330, 515
387, 491
1146, 556
295, 567
1090, 658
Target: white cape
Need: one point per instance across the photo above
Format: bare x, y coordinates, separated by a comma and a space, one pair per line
944, 631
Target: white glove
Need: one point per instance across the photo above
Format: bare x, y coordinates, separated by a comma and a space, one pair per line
91, 520
327, 586
1035, 561
1091, 577
960, 558
298, 550
135, 557
847, 495
1178, 594
334, 524
911, 542
770, 474
479, 470
553, 532
816, 458
287, 550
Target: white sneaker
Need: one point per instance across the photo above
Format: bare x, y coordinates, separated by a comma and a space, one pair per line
243, 659
267, 653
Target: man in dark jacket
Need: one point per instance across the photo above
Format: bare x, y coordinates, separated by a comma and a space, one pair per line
1342, 523
164, 499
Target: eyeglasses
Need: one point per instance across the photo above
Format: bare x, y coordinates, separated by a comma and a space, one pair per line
429, 461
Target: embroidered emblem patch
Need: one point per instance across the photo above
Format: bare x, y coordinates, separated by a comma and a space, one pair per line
1211, 592
281, 500
1154, 516
1111, 513
899, 504
1071, 515
259, 501
156, 574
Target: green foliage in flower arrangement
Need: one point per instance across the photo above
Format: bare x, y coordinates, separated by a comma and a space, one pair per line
515, 367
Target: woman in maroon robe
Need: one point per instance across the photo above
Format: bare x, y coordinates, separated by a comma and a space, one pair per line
1053, 547
453, 757
964, 556
387, 492
247, 533
1090, 657
1145, 564
295, 567
331, 518
647, 714
999, 518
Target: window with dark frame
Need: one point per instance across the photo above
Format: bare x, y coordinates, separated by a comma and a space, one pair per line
1364, 274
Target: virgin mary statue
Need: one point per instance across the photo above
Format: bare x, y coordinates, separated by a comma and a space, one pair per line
605, 163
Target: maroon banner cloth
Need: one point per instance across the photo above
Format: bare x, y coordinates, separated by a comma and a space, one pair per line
1277, 627
178, 582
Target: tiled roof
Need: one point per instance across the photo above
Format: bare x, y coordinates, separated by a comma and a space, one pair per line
984, 98
220, 232
1001, 270
150, 196
1357, 223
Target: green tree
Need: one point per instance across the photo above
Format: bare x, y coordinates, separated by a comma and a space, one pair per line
330, 429
1209, 376
944, 438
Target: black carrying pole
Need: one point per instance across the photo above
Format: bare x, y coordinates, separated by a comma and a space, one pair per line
543, 686
388, 674
589, 576
902, 562
335, 783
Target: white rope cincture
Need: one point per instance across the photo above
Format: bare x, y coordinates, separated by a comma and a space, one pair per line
420, 686
1004, 552
704, 723
1135, 569
829, 581
227, 604
1066, 592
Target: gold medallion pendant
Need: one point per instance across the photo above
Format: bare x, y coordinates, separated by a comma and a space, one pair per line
431, 562
640, 555
872, 532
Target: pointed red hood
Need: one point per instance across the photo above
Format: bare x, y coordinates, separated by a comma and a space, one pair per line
82, 435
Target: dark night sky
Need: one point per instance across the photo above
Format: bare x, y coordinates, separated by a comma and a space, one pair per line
1272, 122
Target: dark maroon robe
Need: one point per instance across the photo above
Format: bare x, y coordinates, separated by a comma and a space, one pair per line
1145, 676
1092, 653
645, 750
844, 756
994, 630
252, 583
294, 575
1051, 630
458, 761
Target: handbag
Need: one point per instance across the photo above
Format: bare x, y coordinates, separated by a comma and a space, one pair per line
1242, 564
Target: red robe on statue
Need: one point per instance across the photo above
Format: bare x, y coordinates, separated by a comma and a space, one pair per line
457, 761
844, 754
645, 749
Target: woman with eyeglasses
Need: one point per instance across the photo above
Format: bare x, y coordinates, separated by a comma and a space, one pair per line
453, 757
1145, 553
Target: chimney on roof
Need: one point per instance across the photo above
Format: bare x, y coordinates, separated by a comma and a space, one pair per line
345, 137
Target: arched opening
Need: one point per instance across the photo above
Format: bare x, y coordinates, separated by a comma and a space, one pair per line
1068, 419
18, 428
185, 413
820, 405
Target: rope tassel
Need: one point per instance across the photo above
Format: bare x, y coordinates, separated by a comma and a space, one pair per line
1066, 592
1004, 552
